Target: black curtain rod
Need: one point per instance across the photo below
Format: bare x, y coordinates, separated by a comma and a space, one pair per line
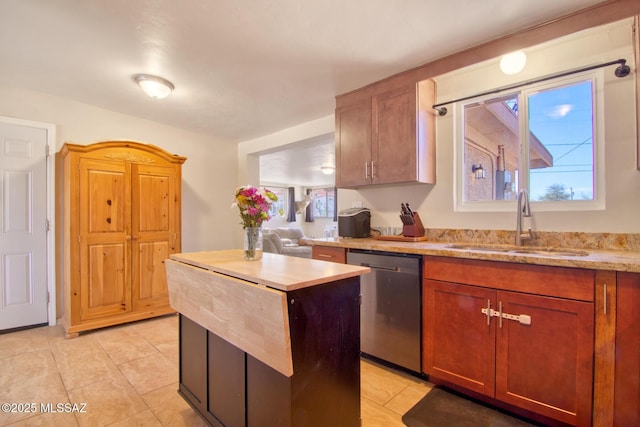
622, 71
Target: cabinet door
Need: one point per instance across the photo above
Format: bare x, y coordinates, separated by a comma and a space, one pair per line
546, 366
353, 145
393, 140
154, 233
193, 363
104, 212
627, 370
227, 379
459, 343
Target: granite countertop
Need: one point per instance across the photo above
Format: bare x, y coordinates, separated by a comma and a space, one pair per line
595, 259
276, 271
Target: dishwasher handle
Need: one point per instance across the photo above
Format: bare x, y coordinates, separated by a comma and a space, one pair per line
378, 267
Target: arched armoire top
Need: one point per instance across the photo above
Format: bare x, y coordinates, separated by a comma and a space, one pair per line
149, 148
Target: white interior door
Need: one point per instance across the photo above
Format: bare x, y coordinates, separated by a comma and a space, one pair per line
23, 235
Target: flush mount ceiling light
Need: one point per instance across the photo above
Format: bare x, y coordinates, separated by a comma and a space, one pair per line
513, 63
327, 169
154, 86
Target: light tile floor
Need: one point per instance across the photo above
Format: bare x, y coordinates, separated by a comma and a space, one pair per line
128, 376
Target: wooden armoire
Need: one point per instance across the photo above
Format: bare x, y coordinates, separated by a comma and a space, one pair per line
118, 214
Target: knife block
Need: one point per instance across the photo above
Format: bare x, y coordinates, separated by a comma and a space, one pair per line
413, 230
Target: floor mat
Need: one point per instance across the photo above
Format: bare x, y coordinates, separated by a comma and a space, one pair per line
441, 407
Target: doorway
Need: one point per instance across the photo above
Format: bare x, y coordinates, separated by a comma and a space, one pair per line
26, 285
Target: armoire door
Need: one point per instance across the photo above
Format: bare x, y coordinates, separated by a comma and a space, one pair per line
154, 232
104, 219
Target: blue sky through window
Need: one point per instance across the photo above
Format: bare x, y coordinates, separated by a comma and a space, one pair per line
562, 119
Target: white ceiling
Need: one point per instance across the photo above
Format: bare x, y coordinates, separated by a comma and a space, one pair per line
299, 164
241, 68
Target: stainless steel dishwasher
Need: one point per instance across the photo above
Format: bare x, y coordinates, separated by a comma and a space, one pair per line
390, 314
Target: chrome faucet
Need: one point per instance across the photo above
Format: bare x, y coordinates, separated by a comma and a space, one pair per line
524, 210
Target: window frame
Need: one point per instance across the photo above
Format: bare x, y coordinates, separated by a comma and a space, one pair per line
313, 198
284, 200
597, 203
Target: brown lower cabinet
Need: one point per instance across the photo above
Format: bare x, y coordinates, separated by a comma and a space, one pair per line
627, 361
213, 376
533, 352
329, 253
230, 388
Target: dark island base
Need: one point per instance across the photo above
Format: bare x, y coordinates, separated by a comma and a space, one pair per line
230, 388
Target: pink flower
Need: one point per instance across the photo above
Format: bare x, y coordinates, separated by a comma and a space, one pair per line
254, 205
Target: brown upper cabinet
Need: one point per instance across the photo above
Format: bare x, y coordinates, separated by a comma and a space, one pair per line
119, 213
387, 138
385, 131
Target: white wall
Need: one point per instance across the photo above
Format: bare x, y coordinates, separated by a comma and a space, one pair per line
249, 165
249, 151
209, 175
435, 203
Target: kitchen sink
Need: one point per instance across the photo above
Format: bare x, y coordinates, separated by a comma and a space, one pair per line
480, 248
551, 252
558, 252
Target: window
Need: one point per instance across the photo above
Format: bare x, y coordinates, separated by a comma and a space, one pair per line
323, 202
541, 138
279, 208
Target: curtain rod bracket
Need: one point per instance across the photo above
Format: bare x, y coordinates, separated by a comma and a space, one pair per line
623, 69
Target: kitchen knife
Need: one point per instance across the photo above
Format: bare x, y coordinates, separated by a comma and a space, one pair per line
409, 211
410, 219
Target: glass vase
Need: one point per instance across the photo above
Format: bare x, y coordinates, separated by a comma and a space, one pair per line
252, 243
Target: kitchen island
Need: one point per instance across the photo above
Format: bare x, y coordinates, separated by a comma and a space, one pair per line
271, 342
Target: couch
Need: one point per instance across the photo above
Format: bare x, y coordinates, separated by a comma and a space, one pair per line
285, 241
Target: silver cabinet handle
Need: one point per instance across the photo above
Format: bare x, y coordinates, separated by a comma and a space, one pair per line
605, 298
488, 312
366, 169
373, 173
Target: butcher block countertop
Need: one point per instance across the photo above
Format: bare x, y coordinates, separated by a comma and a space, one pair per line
611, 260
245, 302
280, 272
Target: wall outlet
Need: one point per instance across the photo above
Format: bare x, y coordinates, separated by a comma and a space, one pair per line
356, 204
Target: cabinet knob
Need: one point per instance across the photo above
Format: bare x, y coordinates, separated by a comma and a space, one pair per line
127, 237
108, 220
